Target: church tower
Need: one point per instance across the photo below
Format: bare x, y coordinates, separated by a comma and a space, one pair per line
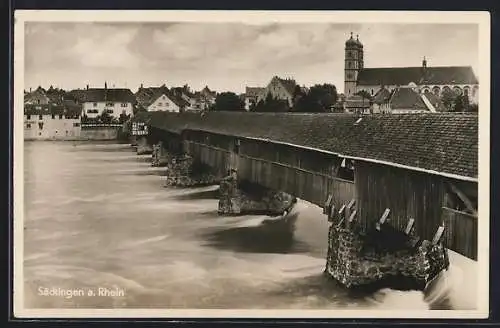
354, 62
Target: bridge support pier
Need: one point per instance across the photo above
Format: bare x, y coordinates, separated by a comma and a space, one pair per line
184, 171
382, 257
160, 155
242, 198
143, 146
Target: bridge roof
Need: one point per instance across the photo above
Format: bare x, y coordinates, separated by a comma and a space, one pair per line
444, 144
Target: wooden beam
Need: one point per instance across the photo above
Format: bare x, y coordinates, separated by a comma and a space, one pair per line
438, 235
409, 226
331, 215
342, 211
351, 204
382, 219
353, 216
463, 197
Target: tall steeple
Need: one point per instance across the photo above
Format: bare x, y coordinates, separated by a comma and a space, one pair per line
353, 64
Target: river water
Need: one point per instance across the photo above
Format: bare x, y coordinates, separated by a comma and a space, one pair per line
98, 215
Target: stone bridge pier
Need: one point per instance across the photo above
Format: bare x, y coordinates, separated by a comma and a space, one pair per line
381, 256
240, 197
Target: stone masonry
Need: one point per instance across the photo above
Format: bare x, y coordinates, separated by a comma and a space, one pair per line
143, 147
354, 261
184, 171
235, 201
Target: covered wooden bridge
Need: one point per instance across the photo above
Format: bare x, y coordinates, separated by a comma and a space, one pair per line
421, 166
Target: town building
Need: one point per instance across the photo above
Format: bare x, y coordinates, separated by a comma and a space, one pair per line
37, 97
438, 79
251, 96
114, 102
279, 88
406, 100
154, 99
52, 122
205, 98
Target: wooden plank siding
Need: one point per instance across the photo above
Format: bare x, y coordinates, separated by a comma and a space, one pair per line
460, 234
171, 141
303, 173
407, 194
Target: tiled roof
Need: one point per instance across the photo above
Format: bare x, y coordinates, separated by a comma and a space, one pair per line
253, 91
111, 95
68, 109
382, 96
289, 85
435, 101
406, 98
419, 75
442, 142
357, 101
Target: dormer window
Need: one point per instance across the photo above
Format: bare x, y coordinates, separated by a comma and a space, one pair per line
95, 104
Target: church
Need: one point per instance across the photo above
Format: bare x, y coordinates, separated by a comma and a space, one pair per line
422, 79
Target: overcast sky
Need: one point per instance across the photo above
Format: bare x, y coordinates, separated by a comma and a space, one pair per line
228, 56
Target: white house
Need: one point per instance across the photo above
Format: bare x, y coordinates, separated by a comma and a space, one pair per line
114, 102
48, 122
155, 99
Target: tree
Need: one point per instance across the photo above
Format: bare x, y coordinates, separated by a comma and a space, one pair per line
448, 99
319, 98
123, 118
473, 108
105, 118
325, 94
228, 101
271, 104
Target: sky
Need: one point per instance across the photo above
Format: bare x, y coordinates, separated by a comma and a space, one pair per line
229, 56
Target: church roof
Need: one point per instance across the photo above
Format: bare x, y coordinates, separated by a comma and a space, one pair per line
419, 75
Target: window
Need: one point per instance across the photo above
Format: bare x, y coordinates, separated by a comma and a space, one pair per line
38, 101
95, 104
124, 105
160, 104
109, 111
40, 117
40, 125
60, 116
110, 104
92, 111
53, 116
28, 117
372, 92
28, 126
76, 125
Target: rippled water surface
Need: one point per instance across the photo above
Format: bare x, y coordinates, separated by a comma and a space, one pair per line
97, 215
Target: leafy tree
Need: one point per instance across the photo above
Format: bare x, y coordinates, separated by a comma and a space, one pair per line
473, 108
448, 99
123, 118
271, 104
105, 118
228, 101
319, 98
